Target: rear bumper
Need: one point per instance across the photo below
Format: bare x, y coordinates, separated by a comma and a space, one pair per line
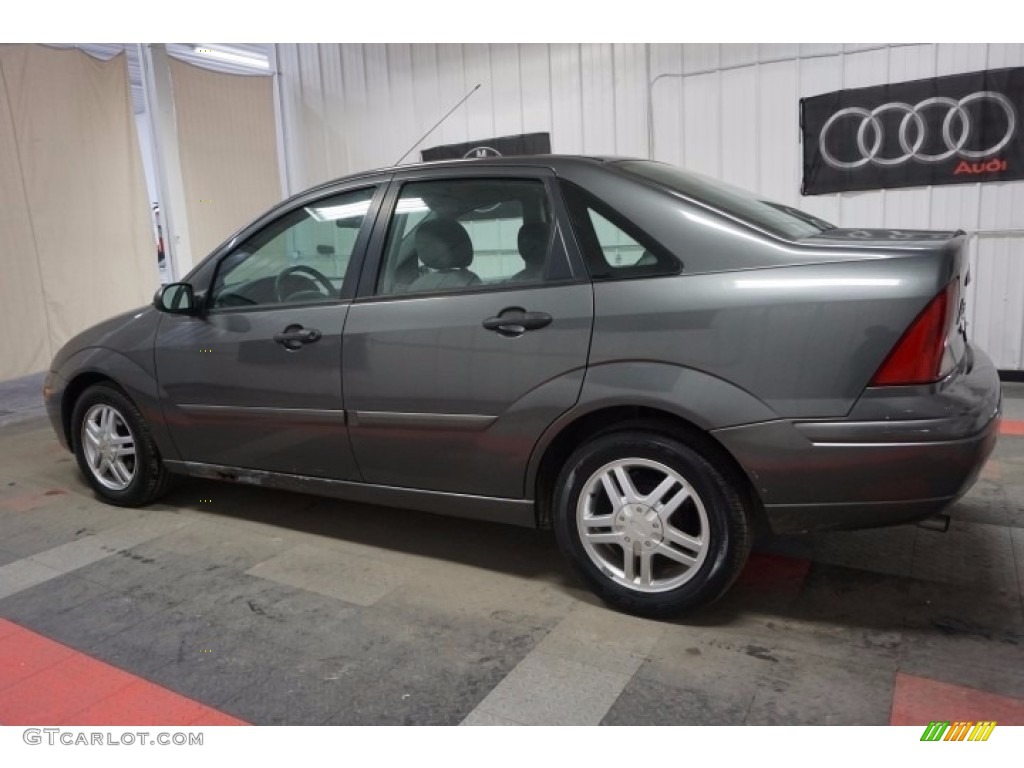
902, 454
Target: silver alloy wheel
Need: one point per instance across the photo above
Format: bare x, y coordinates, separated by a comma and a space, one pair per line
643, 525
109, 447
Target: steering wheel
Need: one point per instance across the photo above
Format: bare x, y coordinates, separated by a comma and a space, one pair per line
313, 276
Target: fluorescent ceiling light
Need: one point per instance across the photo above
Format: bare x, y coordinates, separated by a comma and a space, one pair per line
411, 205
232, 55
337, 212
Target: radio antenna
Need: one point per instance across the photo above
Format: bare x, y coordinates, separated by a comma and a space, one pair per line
462, 101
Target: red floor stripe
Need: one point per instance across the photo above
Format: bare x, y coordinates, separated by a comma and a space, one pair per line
1010, 427
29, 500
993, 470
774, 573
919, 701
45, 683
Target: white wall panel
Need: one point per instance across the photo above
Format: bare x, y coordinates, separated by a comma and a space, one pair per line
535, 82
598, 99
630, 90
699, 57
666, 102
507, 90
333, 85
772, 51
452, 85
738, 54
778, 162
566, 98
702, 125
479, 109
819, 49
730, 111
739, 124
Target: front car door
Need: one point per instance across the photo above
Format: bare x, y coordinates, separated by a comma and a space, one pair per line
470, 333
254, 381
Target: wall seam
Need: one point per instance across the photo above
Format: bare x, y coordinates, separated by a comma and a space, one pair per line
650, 100
583, 120
615, 106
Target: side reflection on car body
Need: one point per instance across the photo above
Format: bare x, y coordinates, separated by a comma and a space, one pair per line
645, 360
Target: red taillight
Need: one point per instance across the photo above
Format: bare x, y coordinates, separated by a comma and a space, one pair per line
917, 356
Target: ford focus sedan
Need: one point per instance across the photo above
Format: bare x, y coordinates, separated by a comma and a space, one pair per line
647, 361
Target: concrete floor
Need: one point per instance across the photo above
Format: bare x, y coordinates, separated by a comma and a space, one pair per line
279, 608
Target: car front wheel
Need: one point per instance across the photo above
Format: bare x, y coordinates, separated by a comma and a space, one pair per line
649, 523
114, 448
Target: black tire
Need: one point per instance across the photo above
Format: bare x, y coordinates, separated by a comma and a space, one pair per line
150, 479
729, 532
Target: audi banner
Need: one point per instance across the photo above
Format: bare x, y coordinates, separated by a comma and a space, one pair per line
944, 130
523, 144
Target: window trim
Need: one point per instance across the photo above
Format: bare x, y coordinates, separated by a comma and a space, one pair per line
359, 249
560, 248
578, 201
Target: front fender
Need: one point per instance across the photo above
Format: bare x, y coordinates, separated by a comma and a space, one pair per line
137, 381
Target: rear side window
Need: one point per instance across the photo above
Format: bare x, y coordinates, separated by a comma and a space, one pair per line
467, 235
614, 247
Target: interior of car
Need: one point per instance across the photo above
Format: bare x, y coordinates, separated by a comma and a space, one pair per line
454, 234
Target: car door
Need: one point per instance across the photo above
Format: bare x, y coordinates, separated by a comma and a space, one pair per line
254, 380
470, 333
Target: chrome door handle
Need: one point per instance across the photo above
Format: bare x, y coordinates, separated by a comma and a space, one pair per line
515, 321
294, 336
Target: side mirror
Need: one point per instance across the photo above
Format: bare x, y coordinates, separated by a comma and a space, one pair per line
177, 299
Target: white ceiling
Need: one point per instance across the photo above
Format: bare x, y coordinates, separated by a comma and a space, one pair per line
182, 51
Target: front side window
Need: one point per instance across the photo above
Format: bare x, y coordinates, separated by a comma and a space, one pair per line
301, 258
467, 234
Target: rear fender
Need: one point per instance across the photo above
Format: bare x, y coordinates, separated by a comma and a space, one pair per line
703, 400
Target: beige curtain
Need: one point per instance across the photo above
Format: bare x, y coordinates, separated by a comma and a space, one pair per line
76, 243
227, 145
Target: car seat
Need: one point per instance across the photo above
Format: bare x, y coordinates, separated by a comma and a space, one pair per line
443, 245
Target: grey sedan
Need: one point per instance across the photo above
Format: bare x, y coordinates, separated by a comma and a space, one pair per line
647, 361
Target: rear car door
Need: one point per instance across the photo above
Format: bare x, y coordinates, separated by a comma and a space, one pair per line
254, 381
470, 333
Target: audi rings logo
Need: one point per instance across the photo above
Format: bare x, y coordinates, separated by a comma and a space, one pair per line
926, 133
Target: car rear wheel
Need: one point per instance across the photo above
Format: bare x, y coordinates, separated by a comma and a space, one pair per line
649, 523
115, 449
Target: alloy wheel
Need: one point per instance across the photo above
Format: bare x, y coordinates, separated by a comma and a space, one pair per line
109, 447
643, 525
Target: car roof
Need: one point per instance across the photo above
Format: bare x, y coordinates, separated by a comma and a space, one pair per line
548, 161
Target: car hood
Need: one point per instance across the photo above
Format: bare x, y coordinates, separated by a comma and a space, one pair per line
119, 332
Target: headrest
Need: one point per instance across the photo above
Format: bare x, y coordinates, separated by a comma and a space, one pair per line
533, 243
444, 244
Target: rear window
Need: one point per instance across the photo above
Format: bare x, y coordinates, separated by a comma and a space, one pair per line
782, 220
